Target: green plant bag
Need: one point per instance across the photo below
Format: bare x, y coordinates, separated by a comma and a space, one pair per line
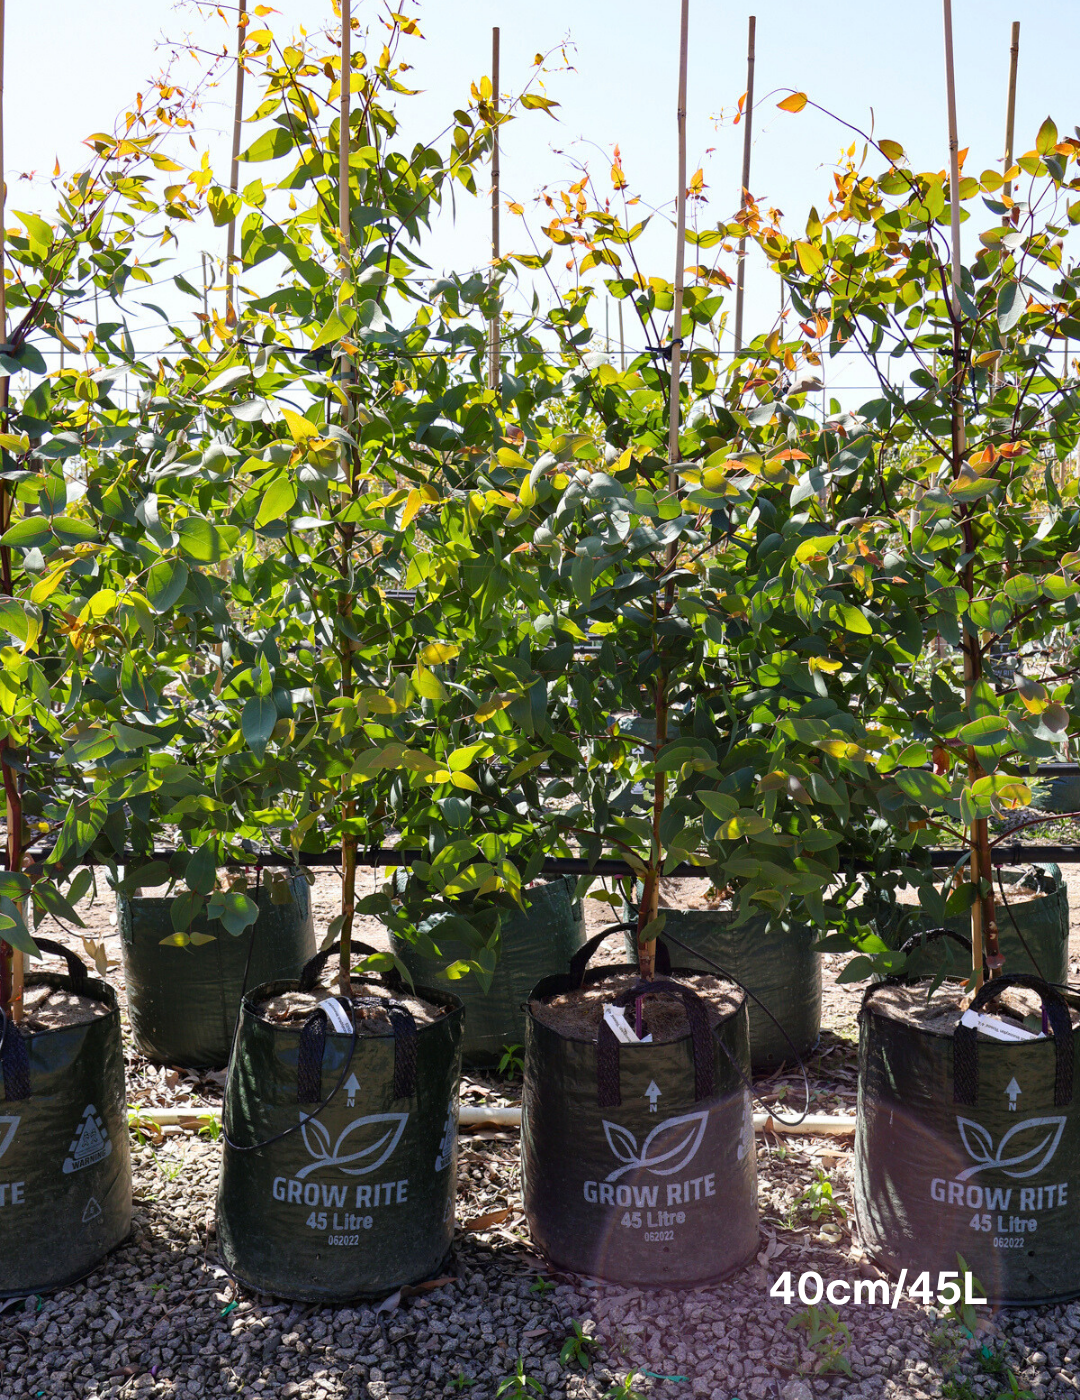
1033, 934
182, 1002
65, 1166
535, 943
352, 1199
968, 1146
638, 1161
771, 956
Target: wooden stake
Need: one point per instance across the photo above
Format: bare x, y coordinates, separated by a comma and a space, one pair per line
345, 598
651, 893
622, 341
744, 189
983, 924
11, 960
234, 173
1010, 109
494, 358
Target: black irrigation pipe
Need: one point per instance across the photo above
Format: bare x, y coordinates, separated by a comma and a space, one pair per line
1019, 853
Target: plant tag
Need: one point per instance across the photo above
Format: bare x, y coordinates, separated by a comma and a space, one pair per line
336, 1015
622, 1028
997, 1029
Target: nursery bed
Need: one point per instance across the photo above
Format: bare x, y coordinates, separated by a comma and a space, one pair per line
161, 1319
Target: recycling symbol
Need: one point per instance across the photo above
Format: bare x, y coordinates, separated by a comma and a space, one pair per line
90, 1144
92, 1211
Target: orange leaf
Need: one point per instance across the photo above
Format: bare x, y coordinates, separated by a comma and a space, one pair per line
795, 103
1012, 449
485, 1222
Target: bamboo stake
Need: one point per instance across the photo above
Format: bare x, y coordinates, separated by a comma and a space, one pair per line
983, 925
234, 173
11, 959
494, 359
651, 893
744, 192
622, 341
1010, 109
345, 604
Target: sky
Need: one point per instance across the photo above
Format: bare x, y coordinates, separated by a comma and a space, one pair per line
869, 63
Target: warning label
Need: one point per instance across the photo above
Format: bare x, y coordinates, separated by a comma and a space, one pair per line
91, 1143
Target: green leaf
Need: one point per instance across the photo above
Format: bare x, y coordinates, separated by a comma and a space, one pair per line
427, 684
853, 620
184, 909
199, 540
135, 688
279, 499
201, 871
82, 824
257, 723
271, 145
990, 729
1047, 138
165, 582
930, 789
721, 804
1011, 305
29, 533
235, 911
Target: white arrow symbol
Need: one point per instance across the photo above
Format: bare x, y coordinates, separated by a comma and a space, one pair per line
352, 1088
1014, 1091
652, 1093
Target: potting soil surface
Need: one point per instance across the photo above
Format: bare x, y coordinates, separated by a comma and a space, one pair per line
160, 1318
577, 1014
293, 1008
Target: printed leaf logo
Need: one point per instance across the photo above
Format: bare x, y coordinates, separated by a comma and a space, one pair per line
671, 1146
7, 1132
1039, 1147
346, 1149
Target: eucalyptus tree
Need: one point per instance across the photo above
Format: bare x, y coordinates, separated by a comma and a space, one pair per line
972, 539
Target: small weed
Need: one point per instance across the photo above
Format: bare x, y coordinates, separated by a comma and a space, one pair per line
818, 1198
211, 1128
542, 1286
519, 1386
171, 1167
958, 1389
512, 1063
827, 1336
624, 1389
461, 1382
577, 1348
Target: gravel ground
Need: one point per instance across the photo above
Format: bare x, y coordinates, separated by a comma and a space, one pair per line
161, 1319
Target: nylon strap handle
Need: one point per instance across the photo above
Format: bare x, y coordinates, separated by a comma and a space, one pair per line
14, 1060
966, 1044
80, 978
313, 1047
608, 1090
312, 969
580, 961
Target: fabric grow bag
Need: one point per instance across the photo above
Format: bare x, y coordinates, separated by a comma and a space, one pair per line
339, 1166
182, 1002
772, 957
1033, 935
638, 1161
968, 1146
534, 943
1060, 794
65, 1167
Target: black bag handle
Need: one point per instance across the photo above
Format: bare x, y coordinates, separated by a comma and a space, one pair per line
309, 974
313, 1047
14, 1060
966, 1044
580, 961
80, 978
608, 1091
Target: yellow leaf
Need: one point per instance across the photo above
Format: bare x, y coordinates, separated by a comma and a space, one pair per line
435, 653
300, 429
46, 587
463, 781
795, 103
811, 259
412, 505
